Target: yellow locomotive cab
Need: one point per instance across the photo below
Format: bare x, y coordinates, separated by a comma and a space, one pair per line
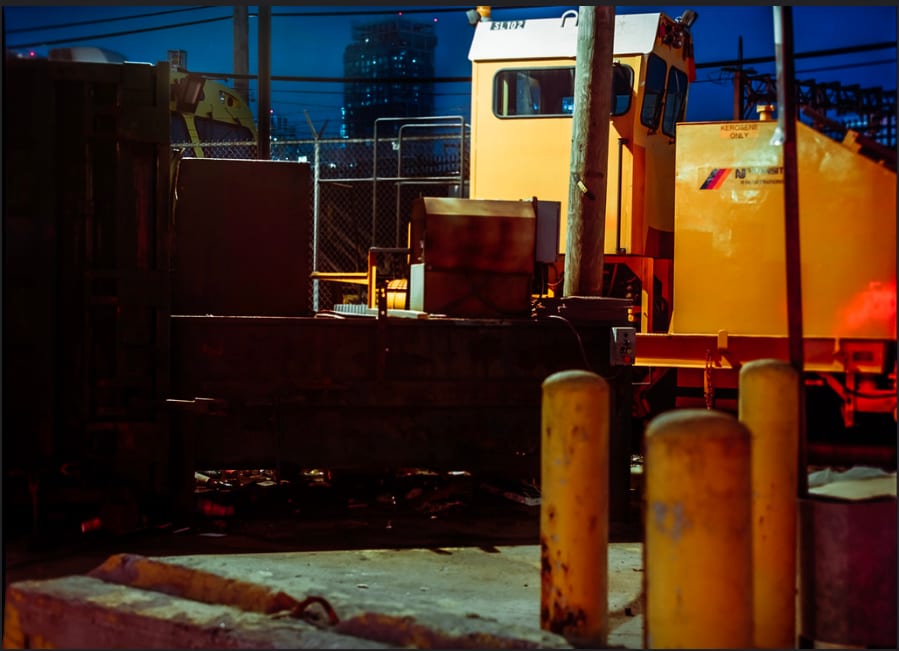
522, 104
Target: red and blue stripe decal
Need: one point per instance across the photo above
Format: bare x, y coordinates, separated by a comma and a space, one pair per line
716, 178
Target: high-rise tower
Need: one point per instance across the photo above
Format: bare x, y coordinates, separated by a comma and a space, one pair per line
389, 66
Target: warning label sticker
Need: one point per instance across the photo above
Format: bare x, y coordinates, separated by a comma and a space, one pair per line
740, 130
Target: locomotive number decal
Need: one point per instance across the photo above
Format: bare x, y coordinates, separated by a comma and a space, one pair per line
507, 24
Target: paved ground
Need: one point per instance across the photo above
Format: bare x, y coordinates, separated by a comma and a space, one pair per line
410, 598
463, 548
496, 585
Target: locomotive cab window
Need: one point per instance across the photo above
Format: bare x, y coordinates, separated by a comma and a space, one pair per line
533, 92
653, 92
675, 100
622, 88
549, 92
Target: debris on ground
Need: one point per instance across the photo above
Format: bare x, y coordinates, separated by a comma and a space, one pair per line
526, 492
118, 515
229, 500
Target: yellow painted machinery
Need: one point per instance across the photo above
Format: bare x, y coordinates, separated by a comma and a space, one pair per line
207, 111
694, 232
694, 221
521, 108
522, 103
730, 270
694, 217
202, 110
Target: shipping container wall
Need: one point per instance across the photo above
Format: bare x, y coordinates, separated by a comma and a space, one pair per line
86, 276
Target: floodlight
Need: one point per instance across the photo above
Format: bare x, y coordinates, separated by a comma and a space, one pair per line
688, 18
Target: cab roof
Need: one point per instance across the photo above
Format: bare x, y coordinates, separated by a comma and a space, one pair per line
554, 38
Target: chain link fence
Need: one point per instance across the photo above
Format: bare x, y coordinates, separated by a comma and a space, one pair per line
363, 190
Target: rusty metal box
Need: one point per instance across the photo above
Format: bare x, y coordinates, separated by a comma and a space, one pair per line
472, 258
472, 234
468, 293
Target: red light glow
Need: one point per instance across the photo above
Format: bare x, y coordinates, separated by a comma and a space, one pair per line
874, 307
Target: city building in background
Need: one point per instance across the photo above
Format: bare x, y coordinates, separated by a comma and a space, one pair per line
389, 67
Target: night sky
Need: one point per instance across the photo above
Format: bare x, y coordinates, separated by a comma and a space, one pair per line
312, 45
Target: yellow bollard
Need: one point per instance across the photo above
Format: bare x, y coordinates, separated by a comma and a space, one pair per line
697, 550
769, 407
574, 511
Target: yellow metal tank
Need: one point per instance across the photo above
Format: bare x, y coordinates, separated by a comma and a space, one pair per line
729, 250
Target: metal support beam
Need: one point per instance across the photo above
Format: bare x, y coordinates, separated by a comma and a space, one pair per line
785, 136
265, 82
241, 52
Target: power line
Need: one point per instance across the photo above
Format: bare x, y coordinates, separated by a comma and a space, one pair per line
307, 92
440, 80
800, 55
97, 21
343, 80
863, 64
708, 64
294, 100
93, 37
76, 39
295, 91
395, 12
376, 80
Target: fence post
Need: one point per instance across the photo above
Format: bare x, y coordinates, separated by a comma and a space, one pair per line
316, 178
316, 188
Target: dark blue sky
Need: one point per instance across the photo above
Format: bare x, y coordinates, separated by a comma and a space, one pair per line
312, 45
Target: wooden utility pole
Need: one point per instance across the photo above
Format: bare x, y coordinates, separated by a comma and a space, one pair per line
241, 51
264, 101
589, 151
